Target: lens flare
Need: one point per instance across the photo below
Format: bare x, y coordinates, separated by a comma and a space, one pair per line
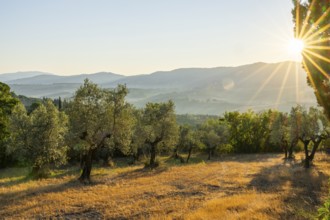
296, 47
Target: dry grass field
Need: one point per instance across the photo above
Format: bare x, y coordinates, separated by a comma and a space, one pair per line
259, 186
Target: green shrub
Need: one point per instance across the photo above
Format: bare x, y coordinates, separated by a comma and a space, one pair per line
324, 211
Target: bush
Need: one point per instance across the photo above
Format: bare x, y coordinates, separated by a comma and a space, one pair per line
324, 211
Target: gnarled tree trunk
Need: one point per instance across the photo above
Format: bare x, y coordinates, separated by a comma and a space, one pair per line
189, 154
153, 151
210, 153
306, 162
152, 156
315, 147
87, 159
87, 166
292, 145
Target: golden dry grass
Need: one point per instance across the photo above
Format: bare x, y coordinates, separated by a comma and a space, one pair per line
231, 187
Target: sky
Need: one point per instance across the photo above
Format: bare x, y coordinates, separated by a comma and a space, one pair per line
131, 37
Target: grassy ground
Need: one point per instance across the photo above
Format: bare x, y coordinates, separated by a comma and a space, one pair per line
231, 187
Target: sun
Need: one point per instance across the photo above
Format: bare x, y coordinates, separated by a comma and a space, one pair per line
295, 48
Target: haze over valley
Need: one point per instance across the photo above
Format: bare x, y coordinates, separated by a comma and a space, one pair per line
257, 86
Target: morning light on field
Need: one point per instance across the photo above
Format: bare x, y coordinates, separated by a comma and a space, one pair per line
165, 109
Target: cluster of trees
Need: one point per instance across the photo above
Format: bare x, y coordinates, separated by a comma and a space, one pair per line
300, 125
99, 124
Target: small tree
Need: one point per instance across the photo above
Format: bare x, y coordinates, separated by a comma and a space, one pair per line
320, 126
192, 140
294, 128
136, 146
279, 132
160, 129
39, 137
188, 140
214, 135
308, 126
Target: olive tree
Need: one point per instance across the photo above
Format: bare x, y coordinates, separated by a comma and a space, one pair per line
320, 129
189, 139
160, 129
279, 132
309, 127
7, 103
122, 123
95, 117
39, 137
215, 135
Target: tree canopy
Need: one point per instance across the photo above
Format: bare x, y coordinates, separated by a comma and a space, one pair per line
39, 138
7, 103
312, 25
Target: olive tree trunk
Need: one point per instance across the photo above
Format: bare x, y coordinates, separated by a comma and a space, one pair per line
306, 163
315, 147
87, 166
152, 162
189, 154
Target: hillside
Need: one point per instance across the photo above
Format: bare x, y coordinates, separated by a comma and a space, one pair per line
254, 186
194, 90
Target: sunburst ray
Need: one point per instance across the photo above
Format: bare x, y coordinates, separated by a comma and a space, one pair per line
297, 83
264, 84
306, 35
309, 75
316, 41
317, 55
305, 22
315, 65
285, 78
318, 32
317, 47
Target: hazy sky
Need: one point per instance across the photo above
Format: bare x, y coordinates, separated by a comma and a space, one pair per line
141, 36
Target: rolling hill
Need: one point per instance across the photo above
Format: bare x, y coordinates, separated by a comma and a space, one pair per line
194, 90
101, 77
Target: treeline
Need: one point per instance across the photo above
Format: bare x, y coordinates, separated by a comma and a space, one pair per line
98, 124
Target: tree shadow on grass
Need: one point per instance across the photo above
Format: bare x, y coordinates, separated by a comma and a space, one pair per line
301, 188
246, 158
15, 181
11, 198
136, 173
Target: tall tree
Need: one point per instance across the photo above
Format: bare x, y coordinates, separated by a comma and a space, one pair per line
122, 123
92, 115
312, 25
160, 129
39, 137
7, 103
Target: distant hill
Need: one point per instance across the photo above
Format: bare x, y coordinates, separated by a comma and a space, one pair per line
6, 77
194, 90
101, 77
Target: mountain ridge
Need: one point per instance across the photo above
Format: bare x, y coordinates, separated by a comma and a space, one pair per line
195, 90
